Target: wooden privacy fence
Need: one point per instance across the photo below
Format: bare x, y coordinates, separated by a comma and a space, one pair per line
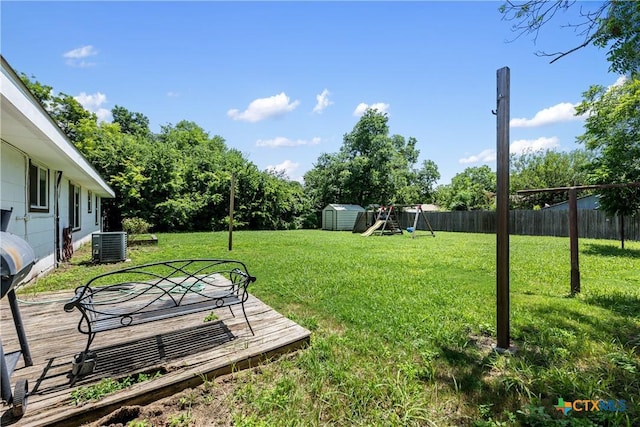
592, 224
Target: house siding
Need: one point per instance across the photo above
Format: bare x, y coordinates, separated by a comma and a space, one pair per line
29, 134
38, 228
12, 174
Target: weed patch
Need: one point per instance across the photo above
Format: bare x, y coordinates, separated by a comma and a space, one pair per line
108, 386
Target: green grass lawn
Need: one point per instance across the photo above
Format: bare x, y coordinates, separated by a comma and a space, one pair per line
403, 328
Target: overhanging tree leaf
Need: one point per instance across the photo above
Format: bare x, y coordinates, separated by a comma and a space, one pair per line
612, 134
612, 25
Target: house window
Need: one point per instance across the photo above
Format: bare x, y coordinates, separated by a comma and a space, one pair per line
97, 209
74, 206
38, 188
89, 201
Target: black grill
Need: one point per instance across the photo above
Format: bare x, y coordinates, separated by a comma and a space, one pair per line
16, 261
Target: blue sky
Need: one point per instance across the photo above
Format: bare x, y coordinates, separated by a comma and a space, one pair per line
284, 81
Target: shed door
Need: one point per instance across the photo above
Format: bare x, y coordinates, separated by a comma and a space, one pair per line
329, 220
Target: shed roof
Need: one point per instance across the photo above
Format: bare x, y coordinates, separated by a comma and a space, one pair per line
426, 207
344, 207
590, 201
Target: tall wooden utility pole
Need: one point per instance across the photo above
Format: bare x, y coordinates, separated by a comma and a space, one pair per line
231, 198
502, 210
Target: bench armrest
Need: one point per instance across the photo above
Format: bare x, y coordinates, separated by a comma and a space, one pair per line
76, 301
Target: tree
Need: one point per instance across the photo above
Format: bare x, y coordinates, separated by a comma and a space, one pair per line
426, 179
41, 92
612, 134
613, 114
177, 180
613, 24
324, 183
371, 167
472, 189
136, 124
64, 109
369, 152
117, 157
419, 184
546, 169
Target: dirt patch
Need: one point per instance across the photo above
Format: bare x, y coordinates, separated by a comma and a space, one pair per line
205, 405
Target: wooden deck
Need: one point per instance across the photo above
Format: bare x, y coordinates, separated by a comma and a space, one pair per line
185, 349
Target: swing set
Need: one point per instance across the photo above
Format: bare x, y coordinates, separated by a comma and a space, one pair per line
386, 222
414, 230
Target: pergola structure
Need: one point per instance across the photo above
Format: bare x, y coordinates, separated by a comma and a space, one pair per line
573, 220
502, 113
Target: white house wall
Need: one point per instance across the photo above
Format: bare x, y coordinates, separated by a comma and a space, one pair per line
12, 193
38, 228
28, 133
87, 220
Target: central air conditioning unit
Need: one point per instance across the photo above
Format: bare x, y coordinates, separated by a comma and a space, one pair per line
109, 246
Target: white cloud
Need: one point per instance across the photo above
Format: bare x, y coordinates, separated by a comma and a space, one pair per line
281, 141
519, 146
522, 146
75, 57
559, 113
104, 115
80, 64
92, 102
288, 167
487, 155
263, 108
171, 94
619, 82
323, 101
362, 108
563, 112
81, 52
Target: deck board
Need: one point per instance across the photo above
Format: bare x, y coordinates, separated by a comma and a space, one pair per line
186, 349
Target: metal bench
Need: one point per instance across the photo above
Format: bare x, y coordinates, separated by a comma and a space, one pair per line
152, 292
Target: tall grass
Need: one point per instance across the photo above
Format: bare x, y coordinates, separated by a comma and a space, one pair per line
403, 328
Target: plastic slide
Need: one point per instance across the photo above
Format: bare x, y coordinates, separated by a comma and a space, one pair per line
373, 228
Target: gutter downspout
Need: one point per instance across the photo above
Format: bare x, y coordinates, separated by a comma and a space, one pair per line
56, 201
26, 196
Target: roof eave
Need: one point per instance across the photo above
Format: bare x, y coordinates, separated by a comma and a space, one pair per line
27, 126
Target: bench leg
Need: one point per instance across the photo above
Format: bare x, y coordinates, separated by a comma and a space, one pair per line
83, 363
90, 338
247, 319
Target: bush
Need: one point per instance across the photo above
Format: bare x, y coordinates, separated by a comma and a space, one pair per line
136, 226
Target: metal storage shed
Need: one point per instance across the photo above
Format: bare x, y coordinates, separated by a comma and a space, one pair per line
585, 202
338, 217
